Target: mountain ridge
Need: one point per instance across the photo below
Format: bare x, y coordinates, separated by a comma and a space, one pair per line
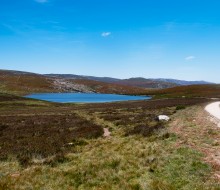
19, 82
166, 82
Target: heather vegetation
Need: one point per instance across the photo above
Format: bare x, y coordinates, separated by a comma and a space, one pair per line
22, 83
61, 146
116, 95
209, 91
110, 88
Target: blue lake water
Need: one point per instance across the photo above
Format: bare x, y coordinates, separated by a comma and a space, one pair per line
84, 97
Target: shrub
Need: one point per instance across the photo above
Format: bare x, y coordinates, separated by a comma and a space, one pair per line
180, 107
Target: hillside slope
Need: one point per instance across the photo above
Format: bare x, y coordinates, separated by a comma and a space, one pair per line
20, 83
146, 83
108, 88
182, 82
136, 82
17, 82
209, 91
72, 76
8, 97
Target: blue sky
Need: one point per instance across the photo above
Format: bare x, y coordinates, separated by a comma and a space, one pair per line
117, 38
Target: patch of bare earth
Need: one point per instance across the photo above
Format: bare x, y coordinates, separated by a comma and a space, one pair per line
195, 130
106, 132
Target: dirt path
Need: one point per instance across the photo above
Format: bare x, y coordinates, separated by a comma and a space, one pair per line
107, 133
97, 121
214, 110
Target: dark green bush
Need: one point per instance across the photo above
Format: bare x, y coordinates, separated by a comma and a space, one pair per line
180, 107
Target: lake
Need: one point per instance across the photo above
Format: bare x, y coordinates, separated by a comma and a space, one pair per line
84, 97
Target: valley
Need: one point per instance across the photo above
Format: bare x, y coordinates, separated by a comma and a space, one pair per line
23, 83
119, 145
109, 95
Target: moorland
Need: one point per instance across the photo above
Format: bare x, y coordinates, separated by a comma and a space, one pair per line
46, 145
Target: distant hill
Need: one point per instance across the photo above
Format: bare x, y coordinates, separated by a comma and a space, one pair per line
137, 82
146, 83
12, 72
72, 76
182, 82
202, 90
20, 83
109, 88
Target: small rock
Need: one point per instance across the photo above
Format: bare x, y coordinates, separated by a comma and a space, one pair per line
15, 175
163, 118
70, 144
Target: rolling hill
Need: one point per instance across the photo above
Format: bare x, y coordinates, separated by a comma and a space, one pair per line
20, 83
137, 82
72, 76
146, 83
103, 87
17, 82
182, 82
207, 90
8, 97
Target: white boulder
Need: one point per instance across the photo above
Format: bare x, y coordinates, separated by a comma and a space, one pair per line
163, 118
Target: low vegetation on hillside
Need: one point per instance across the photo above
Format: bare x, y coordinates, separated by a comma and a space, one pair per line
22, 83
110, 88
47, 145
209, 91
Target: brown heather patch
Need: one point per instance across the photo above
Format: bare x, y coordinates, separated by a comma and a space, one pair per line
8, 97
43, 135
143, 105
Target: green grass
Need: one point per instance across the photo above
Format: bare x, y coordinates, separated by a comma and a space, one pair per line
177, 168
124, 163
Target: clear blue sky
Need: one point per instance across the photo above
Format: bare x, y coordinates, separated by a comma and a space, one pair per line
117, 38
